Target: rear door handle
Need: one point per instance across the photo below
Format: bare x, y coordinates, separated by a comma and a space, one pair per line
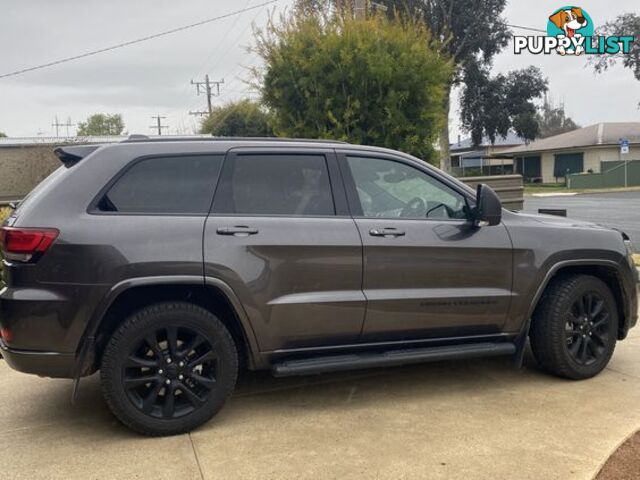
386, 232
237, 231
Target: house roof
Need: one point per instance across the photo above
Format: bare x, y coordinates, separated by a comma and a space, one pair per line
591, 136
467, 143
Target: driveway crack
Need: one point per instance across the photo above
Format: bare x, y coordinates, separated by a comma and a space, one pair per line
195, 454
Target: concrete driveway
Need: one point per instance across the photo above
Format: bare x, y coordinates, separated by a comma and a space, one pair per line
466, 419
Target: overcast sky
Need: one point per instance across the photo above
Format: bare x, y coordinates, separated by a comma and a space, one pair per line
152, 78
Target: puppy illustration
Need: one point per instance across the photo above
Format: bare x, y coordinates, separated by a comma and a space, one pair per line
569, 21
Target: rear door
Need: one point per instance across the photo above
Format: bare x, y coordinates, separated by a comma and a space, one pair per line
428, 271
280, 235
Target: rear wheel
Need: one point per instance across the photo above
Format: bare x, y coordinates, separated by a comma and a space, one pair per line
574, 328
169, 368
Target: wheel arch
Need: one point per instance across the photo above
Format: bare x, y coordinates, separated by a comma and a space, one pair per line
211, 293
605, 270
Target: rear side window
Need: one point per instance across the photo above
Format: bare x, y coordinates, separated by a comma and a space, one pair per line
275, 185
171, 185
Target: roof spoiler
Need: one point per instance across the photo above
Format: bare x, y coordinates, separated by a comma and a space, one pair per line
70, 155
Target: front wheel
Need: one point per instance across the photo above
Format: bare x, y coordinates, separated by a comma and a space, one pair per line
168, 369
574, 328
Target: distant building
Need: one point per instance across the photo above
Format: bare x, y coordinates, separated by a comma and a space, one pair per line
483, 159
593, 149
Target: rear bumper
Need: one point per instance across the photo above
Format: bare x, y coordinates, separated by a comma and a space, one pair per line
45, 364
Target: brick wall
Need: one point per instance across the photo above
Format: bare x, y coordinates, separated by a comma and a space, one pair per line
23, 167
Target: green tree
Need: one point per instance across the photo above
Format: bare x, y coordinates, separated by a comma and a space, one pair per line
101, 124
244, 118
375, 82
625, 24
3, 135
492, 105
469, 32
553, 120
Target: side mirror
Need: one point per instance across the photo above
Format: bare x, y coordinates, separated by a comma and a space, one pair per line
488, 207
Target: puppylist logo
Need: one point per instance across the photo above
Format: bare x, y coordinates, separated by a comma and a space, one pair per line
570, 31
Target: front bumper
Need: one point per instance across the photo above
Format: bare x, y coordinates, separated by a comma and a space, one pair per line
45, 364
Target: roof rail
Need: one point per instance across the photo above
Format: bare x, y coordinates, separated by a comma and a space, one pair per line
166, 138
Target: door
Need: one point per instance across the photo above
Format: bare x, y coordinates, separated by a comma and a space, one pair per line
428, 272
280, 235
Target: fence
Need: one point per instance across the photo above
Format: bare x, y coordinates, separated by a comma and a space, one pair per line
508, 187
612, 177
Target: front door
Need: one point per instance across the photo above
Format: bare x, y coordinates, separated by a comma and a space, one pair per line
428, 271
286, 245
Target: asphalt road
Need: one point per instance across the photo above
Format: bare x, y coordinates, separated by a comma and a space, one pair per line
617, 209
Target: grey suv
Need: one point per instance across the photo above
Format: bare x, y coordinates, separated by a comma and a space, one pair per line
169, 265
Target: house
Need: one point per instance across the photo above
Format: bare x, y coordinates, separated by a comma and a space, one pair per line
592, 149
485, 158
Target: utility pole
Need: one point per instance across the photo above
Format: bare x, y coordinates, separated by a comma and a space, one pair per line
158, 124
69, 124
58, 124
205, 87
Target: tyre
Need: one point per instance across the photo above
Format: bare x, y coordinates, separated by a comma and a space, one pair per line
574, 328
168, 368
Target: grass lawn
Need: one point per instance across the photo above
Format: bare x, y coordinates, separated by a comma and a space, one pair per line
530, 189
4, 213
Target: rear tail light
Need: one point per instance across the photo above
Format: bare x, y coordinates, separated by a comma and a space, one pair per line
6, 335
25, 244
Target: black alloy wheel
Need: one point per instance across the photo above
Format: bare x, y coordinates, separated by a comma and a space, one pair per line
170, 372
168, 368
588, 329
574, 327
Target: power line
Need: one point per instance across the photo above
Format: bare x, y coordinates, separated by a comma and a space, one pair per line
531, 29
220, 43
133, 42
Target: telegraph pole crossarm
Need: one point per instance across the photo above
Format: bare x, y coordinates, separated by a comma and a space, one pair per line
158, 126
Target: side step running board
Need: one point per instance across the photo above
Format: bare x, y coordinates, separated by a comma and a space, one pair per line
390, 358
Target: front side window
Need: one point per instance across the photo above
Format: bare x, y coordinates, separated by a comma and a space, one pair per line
165, 185
390, 189
274, 184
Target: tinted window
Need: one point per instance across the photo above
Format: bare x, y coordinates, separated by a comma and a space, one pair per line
183, 184
388, 189
275, 185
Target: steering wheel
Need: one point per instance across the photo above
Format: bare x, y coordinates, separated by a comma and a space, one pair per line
447, 208
414, 208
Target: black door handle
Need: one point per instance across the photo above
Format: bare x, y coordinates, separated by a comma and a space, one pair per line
238, 231
386, 232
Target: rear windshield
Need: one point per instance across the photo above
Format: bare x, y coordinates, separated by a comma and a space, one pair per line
43, 186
